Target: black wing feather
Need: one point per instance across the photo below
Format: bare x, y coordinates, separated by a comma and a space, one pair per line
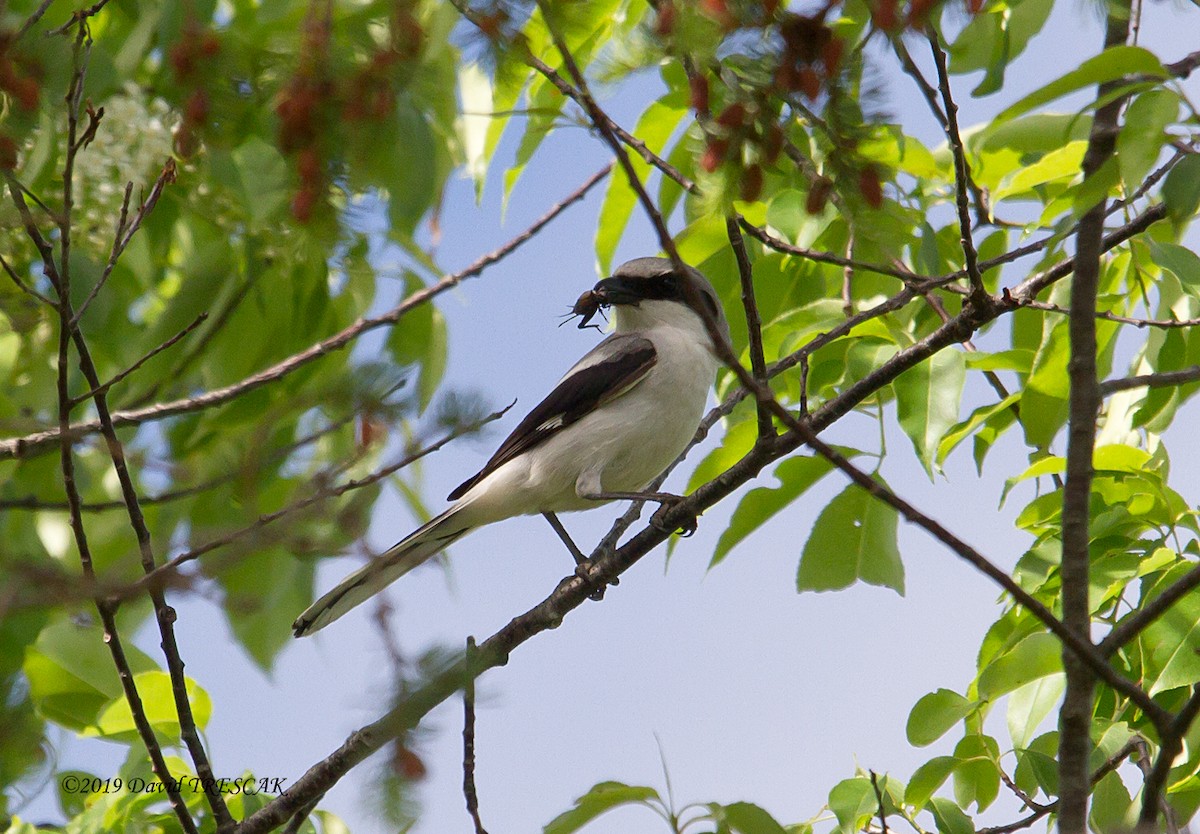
575, 396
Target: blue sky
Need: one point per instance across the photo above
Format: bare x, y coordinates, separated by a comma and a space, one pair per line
749, 690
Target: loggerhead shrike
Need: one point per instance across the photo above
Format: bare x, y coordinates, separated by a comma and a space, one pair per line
617, 419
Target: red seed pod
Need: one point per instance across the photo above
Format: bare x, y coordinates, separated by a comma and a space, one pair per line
787, 79
407, 38
308, 165
303, 204
195, 112
885, 14
698, 85
370, 431
974, 6
773, 142
714, 154
408, 764
804, 36
809, 82
733, 116
664, 21
183, 60
818, 196
185, 140
8, 153
831, 56
210, 45
751, 184
870, 187
27, 92
918, 12
718, 10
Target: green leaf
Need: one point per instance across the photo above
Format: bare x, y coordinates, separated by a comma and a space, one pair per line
1044, 399
978, 417
1181, 189
934, 714
927, 402
1112, 64
853, 802
853, 538
1182, 262
71, 674
260, 613
759, 505
654, 128
1037, 656
1112, 807
950, 819
602, 797
1029, 705
475, 91
158, 701
1142, 134
262, 177
1037, 766
1049, 465
746, 818
991, 40
927, 779
1172, 642
977, 777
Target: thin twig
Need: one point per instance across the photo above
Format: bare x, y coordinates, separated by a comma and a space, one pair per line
580, 96
24, 287
1137, 621
1159, 380
1112, 763
1184, 66
126, 229
1171, 744
962, 175
758, 363
472, 798
32, 20
31, 502
32, 443
104, 387
883, 826
818, 256
323, 493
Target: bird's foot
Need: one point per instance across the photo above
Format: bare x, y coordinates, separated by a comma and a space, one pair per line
666, 503
582, 571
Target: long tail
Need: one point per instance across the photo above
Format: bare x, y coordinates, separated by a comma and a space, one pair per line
424, 543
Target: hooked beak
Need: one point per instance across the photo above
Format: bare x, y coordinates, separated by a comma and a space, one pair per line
616, 291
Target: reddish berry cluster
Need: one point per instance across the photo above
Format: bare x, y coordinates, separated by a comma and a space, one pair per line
309, 104
812, 55
734, 128
18, 78
191, 60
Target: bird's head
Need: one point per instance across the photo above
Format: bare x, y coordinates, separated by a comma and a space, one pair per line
649, 292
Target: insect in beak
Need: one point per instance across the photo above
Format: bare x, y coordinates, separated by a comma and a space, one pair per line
587, 307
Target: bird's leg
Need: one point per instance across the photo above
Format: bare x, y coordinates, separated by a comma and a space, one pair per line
582, 563
666, 501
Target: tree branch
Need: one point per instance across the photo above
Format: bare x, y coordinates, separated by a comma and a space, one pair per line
36, 442
1075, 714
962, 175
1165, 379
758, 364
